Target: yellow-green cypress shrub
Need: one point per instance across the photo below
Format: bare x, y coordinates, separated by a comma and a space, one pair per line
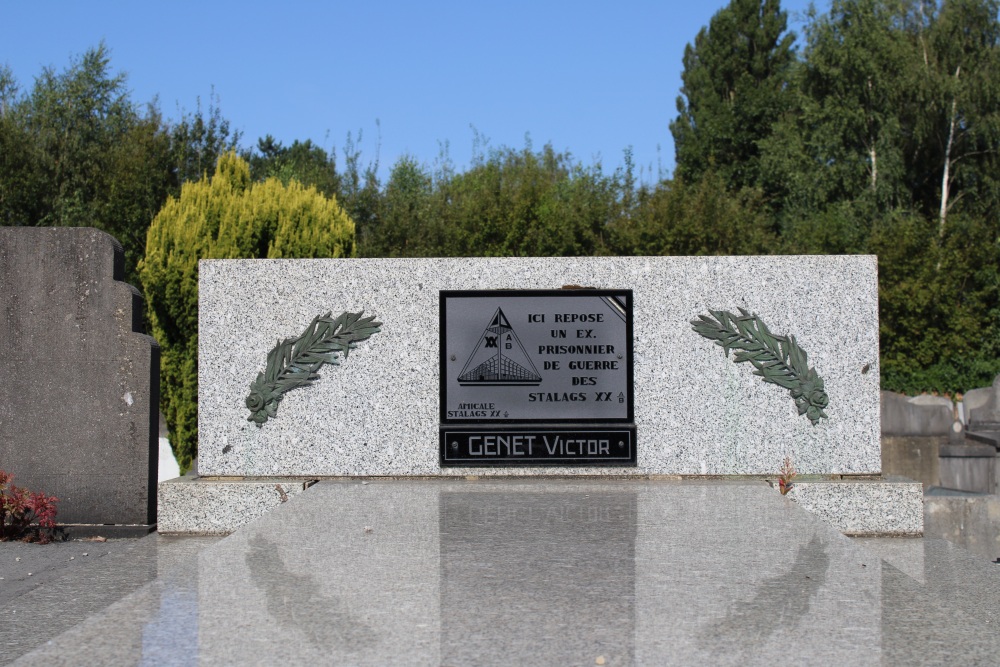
226, 216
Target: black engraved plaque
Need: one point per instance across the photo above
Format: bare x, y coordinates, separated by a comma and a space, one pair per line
537, 377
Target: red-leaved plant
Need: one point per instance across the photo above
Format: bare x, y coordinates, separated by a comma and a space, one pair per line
25, 516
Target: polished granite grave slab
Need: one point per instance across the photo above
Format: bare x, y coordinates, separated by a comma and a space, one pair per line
545, 572
47, 589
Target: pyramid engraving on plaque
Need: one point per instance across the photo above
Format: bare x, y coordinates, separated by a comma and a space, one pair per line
499, 358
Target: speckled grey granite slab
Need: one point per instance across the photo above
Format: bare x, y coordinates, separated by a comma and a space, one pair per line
696, 411
218, 507
545, 572
865, 507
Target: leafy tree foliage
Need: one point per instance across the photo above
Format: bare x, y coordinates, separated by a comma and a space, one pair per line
226, 216
509, 203
886, 142
20, 180
518, 203
197, 141
898, 131
700, 218
939, 303
843, 142
75, 150
405, 223
303, 161
957, 111
735, 84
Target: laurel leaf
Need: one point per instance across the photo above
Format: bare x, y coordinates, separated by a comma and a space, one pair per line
776, 359
294, 362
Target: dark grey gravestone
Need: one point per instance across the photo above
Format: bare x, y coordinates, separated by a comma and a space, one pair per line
983, 431
985, 415
913, 430
903, 416
969, 466
79, 385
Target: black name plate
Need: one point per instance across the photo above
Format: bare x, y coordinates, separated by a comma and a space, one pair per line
530, 445
560, 360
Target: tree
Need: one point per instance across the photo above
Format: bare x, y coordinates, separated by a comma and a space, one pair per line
21, 183
702, 218
939, 303
303, 161
891, 148
852, 90
523, 203
735, 85
509, 203
77, 152
225, 216
405, 223
197, 141
958, 154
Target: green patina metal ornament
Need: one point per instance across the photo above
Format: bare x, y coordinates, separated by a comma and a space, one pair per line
776, 359
294, 361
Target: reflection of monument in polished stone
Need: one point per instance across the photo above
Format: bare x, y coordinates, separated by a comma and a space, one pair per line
526, 536
552, 572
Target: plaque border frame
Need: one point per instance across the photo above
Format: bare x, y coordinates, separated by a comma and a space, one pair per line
443, 295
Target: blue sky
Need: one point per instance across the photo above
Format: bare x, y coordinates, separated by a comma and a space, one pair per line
591, 78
